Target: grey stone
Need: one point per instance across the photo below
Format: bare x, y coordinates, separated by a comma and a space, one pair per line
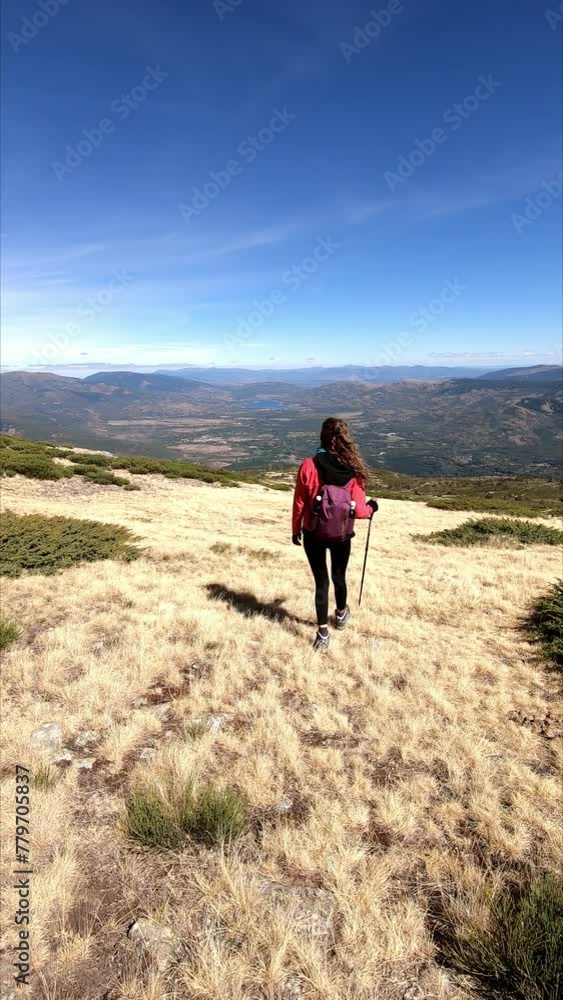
147, 754
216, 722
291, 988
213, 723
86, 739
62, 759
414, 992
85, 763
47, 737
158, 943
284, 806
161, 711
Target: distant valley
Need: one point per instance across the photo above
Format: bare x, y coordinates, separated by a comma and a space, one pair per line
488, 423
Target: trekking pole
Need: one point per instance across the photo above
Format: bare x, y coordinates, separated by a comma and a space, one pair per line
365, 562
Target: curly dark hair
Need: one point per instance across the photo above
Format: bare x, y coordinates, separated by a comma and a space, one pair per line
336, 438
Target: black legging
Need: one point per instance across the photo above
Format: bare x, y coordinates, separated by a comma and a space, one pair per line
316, 554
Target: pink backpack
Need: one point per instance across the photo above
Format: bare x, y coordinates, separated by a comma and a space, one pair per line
332, 517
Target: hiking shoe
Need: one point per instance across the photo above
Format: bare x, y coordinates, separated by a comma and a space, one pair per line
321, 643
341, 621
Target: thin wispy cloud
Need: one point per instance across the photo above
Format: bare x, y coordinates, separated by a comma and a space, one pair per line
355, 214
254, 240
484, 190
63, 257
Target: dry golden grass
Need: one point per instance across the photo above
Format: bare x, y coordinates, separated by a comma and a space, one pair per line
406, 773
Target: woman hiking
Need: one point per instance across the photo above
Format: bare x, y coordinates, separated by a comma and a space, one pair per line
329, 496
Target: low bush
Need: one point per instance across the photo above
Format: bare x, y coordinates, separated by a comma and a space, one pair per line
150, 820
35, 459
225, 548
33, 465
100, 476
173, 469
545, 623
514, 508
489, 530
44, 777
9, 633
222, 548
195, 730
259, 555
47, 544
167, 818
213, 816
281, 487
518, 955
80, 458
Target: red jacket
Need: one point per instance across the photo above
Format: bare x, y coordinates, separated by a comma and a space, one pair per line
307, 488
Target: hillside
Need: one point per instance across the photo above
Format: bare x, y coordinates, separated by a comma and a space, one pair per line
391, 785
315, 375
148, 381
430, 428
535, 373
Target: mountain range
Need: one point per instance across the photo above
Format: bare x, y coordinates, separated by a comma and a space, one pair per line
496, 422
323, 375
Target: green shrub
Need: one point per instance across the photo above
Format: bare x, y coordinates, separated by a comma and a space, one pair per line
97, 459
195, 730
103, 477
225, 548
32, 465
488, 530
130, 487
167, 818
259, 555
36, 460
9, 633
44, 777
151, 821
281, 487
214, 816
172, 469
490, 505
545, 623
222, 548
519, 955
46, 544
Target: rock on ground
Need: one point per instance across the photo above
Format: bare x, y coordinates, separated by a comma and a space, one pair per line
48, 737
158, 943
312, 911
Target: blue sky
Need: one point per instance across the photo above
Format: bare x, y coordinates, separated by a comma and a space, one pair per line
101, 265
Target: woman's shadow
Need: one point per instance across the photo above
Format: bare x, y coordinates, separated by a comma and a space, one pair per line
248, 605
